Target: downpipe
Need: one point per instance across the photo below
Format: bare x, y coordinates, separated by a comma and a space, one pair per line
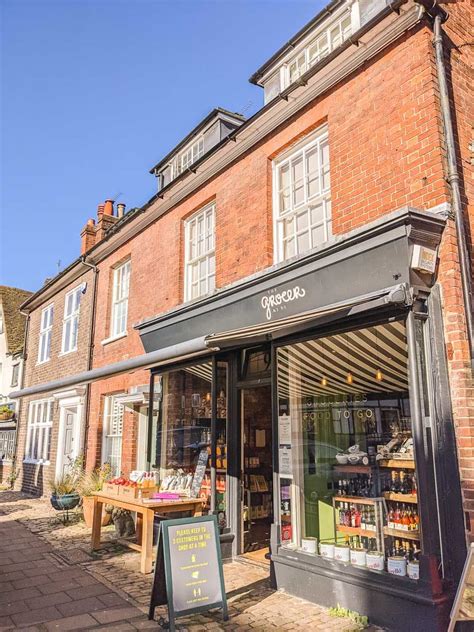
454, 179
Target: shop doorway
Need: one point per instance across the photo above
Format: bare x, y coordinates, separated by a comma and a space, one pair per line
257, 470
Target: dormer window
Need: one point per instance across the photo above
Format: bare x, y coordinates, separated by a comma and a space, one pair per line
326, 41
322, 36
189, 156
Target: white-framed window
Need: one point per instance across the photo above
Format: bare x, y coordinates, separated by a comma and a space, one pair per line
121, 285
72, 304
46, 326
15, 374
38, 438
112, 433
187, 157
327, 40
200, 260
1, 322
302, 197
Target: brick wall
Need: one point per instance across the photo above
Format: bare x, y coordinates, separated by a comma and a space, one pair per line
386, 151
34, 477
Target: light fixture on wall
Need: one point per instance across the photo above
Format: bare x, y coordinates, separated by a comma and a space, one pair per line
324, 381
349, 378
379, 375
208, 397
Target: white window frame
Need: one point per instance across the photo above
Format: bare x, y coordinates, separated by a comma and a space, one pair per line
120, 293
317, 141
193, 260
1, 322
16, 366
187, 157
46, 327
39, 432
112, 432
303, 58
72, 307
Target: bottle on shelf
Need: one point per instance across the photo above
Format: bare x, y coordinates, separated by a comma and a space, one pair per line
395, 483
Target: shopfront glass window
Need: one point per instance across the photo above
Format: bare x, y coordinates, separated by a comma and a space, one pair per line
348, 487
181, 450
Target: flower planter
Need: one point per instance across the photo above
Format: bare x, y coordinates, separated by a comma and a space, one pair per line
7, 416
65, 502
88, 510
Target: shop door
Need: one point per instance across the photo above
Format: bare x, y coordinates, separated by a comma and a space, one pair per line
257, 469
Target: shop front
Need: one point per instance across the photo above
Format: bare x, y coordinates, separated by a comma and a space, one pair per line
318, 420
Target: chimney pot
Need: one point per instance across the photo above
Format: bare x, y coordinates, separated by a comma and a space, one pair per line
100, 210
120, 209
91, 222
109, 207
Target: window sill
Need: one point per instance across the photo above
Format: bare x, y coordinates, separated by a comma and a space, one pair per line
114, 338
64, 353
40, 362
36, 462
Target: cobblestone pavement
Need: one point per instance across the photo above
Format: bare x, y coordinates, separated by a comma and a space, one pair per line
49, 580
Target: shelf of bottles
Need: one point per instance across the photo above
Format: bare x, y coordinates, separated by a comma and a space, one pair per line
360, 521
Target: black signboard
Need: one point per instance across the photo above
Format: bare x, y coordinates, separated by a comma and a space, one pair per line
188, 571
199, 473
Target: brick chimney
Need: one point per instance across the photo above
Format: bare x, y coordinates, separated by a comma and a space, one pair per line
105, 219
88, 236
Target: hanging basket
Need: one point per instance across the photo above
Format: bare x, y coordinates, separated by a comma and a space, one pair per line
65, 502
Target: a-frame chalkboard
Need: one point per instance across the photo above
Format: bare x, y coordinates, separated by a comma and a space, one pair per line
188, 570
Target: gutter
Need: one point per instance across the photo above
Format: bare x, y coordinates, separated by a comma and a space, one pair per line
453, 177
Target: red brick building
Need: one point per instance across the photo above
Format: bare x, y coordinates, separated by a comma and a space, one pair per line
313, 261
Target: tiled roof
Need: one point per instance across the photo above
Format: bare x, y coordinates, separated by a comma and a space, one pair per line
14, 322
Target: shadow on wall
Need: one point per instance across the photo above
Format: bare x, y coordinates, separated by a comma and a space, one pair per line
33, 480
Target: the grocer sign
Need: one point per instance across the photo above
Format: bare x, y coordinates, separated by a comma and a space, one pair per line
274, 301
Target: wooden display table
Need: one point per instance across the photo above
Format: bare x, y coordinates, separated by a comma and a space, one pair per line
145, 511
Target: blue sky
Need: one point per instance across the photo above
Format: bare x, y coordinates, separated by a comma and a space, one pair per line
95, 92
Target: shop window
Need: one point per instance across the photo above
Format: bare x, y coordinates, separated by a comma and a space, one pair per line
72, 304
113, 430
256, 364
40, 422
302, 200
120, 290
46, 327
200, 253
183, 441
346, 460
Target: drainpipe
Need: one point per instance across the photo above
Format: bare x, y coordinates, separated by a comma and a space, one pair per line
453, 178
22, 383
90, 358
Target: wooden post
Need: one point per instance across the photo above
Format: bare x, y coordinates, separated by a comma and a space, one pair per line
146, 563
96, 523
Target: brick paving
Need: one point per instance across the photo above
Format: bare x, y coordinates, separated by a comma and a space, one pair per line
49, 580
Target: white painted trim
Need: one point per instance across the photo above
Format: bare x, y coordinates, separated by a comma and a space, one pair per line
75, 405
70, 395
107, 341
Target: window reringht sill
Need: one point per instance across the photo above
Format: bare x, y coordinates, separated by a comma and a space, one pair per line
40, 362
64, 353
36, 462
114, 338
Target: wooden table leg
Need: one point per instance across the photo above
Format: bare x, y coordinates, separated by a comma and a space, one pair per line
96, 524
197, 510
139, 527
146, 562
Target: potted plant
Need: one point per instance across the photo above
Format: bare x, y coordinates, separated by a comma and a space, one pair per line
6, 413
94, 482
65, 488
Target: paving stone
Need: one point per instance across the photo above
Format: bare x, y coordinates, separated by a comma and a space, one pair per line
113, 599
78, 622
90, 604
6, 623
52, 587
88, 591
37, 580
36, 616
117, 614
18, 595
48, 600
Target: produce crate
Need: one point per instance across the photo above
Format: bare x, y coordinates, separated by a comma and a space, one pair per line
111, 489
135, 492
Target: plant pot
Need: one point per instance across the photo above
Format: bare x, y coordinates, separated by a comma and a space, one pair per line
65, 502
6, 416
88, 509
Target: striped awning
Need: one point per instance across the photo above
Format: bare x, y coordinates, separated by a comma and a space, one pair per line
375, 357
204, 371
274, 329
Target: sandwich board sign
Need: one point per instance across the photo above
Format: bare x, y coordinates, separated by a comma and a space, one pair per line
463, 606
188, 570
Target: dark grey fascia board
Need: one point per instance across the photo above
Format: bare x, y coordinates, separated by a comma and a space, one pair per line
215, 113
428, 228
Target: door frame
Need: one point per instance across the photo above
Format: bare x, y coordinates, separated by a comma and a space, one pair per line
69, 402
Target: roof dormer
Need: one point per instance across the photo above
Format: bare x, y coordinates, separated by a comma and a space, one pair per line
321, 38
217, 126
